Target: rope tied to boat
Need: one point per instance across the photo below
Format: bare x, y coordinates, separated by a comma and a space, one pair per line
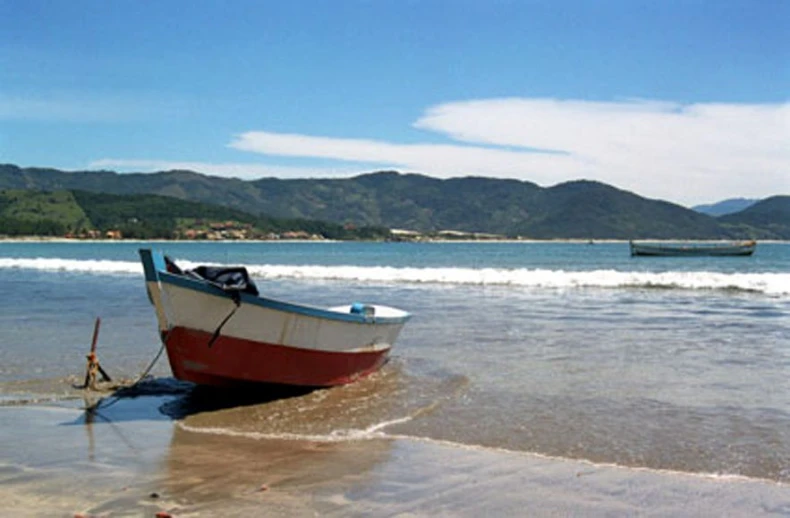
233, 281
235, 295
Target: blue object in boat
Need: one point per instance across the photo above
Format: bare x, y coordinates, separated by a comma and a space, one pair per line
359, 308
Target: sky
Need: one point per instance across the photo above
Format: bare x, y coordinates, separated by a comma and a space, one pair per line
682, 100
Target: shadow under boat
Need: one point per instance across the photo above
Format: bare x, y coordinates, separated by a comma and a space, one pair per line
200, 398
169, 399
172, 399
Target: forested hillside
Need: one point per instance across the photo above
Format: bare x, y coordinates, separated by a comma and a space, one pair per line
147, 216
766, 219
579, 209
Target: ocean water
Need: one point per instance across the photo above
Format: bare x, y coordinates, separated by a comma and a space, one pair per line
565, 350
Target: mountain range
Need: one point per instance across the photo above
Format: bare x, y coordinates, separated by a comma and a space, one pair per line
579, 209
721, 208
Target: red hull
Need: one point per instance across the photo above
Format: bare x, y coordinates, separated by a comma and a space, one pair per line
233, 360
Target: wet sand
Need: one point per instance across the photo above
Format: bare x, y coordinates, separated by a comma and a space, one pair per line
133, 459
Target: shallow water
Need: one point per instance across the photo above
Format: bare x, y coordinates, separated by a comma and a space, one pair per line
565, 350
131, 461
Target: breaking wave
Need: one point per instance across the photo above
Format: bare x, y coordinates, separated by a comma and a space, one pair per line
767, 283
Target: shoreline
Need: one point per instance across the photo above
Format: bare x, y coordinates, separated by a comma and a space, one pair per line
49, 239
135, 459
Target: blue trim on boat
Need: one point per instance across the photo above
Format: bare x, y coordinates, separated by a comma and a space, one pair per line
153, 262
156, 270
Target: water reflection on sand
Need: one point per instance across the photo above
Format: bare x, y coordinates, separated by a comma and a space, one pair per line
190, 452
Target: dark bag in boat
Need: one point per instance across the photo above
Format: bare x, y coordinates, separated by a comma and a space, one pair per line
234, 279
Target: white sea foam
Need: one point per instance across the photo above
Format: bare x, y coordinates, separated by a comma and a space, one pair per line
768, 283
334, 436
771, 283
72, 265
374, 432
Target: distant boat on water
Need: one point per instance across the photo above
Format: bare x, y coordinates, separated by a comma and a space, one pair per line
691, 249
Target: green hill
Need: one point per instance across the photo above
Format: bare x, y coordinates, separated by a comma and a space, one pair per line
766, 219
579, 209
586, 209
24, 212
725, 207
148, 216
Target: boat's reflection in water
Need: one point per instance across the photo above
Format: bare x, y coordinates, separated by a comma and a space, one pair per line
216, 468
232, 447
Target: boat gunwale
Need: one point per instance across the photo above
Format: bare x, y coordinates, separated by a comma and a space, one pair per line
271, 303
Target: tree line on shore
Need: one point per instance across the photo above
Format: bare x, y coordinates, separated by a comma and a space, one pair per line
82, 214
365, 206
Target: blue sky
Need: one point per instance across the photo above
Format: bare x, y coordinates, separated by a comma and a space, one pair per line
687, 101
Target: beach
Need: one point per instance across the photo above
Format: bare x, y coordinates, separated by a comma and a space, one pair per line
132, 462
535, 379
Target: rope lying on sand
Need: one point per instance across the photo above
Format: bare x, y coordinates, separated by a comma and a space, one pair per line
125, 389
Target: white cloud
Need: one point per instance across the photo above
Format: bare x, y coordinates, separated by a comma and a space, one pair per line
685, 153
688, 153
443, 160
65, 106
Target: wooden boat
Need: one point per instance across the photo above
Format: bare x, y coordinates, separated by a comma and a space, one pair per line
218, 330
693, 249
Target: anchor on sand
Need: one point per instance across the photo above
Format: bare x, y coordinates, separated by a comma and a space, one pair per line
94, 368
